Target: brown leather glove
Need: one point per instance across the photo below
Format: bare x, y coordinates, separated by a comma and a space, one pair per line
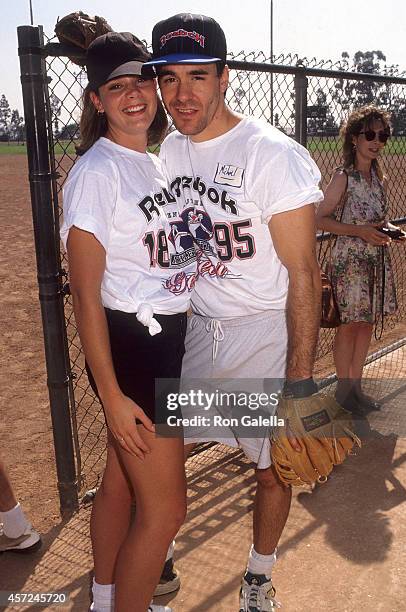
322, 428
79, 30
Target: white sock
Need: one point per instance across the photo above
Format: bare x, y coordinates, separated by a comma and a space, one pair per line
14, 522
103, 597
261, 564
171, 550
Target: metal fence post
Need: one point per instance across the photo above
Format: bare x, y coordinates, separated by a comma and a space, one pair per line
33, 78
301, 82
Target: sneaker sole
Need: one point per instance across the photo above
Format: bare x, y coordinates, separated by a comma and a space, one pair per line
167, 587
23, 551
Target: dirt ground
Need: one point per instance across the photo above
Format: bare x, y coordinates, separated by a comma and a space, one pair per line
25, 427
343, 547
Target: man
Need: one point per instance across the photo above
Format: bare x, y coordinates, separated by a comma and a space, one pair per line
16, 532
256, 302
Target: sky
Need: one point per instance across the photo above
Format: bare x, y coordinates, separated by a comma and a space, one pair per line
310, 28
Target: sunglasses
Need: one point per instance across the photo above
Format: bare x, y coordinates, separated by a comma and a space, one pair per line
371, 135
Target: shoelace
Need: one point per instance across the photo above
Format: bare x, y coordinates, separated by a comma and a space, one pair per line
256, 598
253, 598
214, 326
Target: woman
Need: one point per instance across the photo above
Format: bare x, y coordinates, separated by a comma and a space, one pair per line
131, 327
361, 271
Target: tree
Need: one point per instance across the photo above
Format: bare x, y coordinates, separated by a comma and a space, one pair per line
16, 126
5, 114
350, 93
56, 107
398, 116
69, 132
320, 120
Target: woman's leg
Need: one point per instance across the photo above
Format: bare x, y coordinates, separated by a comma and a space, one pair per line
110, 518
362, 344
159, 485
344, 345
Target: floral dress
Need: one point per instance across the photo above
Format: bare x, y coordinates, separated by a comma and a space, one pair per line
361, 273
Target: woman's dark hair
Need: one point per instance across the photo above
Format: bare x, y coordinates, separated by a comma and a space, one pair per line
93, 125
362, 119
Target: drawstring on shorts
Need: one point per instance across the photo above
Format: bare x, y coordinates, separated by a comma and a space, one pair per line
214, 326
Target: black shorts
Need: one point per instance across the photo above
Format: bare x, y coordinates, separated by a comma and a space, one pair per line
139, 359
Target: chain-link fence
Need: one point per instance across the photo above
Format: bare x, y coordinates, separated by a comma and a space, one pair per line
308, 100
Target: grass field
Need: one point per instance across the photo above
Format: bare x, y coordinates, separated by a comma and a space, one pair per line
395, 146
21, 149
12, 149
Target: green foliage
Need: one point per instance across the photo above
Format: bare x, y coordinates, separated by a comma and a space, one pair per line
11, 124
352, 94
348, 94
5, 114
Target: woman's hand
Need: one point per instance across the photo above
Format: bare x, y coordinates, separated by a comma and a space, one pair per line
371, 235
121, 414
399, 229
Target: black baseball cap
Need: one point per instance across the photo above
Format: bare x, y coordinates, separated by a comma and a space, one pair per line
116, 54
188, 39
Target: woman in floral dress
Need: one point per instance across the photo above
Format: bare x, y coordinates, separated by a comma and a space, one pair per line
362, 275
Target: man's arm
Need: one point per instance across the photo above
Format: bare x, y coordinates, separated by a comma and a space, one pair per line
294, 237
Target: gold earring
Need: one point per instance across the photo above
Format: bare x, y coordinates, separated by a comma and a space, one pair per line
100, 112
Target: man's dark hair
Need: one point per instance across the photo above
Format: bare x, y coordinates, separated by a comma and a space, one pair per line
220, 67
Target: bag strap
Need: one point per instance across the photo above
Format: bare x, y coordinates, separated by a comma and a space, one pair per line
343, 201
378, 334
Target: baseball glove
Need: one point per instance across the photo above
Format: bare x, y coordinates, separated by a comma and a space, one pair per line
79, 30
324, 431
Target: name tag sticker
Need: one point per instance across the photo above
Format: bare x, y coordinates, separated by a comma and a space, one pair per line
226, 174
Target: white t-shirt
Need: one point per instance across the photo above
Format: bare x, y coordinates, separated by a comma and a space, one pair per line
122, 197
229, 187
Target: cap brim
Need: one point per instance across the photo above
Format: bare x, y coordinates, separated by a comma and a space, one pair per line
131, 68
183, 58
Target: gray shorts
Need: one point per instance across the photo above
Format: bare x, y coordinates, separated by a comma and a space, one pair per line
252, 347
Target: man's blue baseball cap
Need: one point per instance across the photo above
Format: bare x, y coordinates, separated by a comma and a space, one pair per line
188, 39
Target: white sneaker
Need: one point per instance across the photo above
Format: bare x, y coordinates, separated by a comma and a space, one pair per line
257, 594
28, 542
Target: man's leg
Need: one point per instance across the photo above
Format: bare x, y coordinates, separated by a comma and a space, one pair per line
251, 348
271, 510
